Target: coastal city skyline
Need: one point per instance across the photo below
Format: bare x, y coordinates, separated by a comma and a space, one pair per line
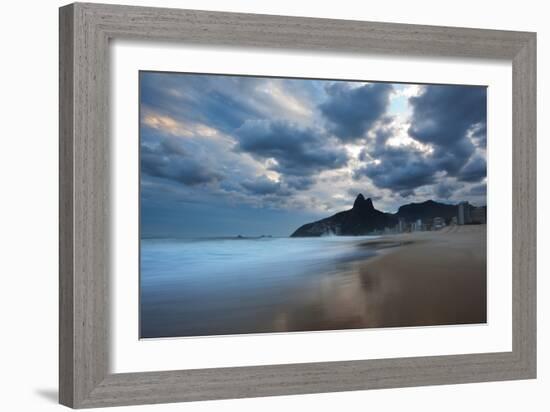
222, 155
364, 219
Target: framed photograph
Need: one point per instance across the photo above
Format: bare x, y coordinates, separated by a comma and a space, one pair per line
256, 205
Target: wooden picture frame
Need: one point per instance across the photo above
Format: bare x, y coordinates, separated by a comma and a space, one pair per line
85, 31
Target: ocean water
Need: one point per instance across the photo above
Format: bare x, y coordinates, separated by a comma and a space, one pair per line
199, 287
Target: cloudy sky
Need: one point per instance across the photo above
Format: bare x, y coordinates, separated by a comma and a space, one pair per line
228, 155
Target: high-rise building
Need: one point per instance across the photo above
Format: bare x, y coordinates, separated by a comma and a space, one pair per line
479, 215
401, 225
464, 217
438, 223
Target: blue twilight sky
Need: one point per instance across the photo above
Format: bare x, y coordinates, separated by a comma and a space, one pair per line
227, 155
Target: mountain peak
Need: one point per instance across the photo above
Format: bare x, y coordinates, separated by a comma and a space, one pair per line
362, 219
361, 202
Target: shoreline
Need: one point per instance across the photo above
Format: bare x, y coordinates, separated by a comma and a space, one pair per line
414, 279
429, 278
399, 280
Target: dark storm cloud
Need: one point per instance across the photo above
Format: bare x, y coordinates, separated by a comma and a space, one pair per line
237, 107
353, 111
400, 169
299, 182
450, 119
446, 189
442, 115
445, 117
222, 102
298, 151
474, 171
478, 190
452, 158
264, 186
168, 160
209, 144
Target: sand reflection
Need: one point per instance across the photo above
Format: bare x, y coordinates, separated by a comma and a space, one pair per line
432, 279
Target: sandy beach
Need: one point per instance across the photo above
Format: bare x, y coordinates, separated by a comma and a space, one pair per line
310, 284
417, 279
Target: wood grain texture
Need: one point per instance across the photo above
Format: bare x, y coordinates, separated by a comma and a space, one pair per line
85, 31
66, 229
83, 344
524, 124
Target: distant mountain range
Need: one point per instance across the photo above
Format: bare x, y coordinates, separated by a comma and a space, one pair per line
363, 218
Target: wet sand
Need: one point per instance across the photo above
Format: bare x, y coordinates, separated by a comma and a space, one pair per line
417, 279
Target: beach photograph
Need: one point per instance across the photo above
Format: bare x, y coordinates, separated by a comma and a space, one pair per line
273, 205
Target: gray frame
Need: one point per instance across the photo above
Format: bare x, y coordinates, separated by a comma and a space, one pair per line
85, 31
